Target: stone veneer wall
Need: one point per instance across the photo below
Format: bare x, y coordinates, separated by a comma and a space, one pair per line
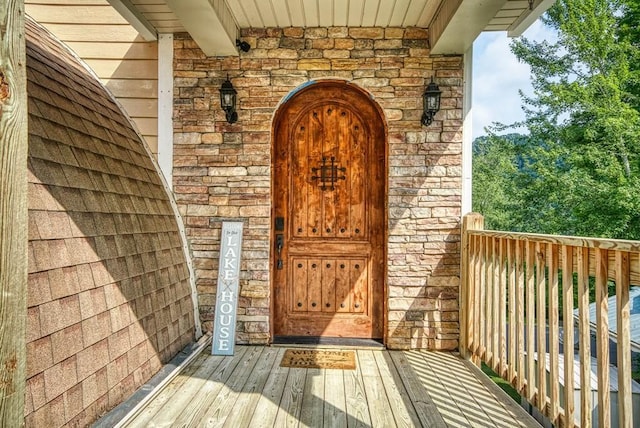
223, 171
108, 295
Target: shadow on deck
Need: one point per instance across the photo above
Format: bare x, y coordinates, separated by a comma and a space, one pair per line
387, 389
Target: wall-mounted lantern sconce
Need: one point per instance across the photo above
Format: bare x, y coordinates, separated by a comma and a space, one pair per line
431, 103
243, 46
228, 100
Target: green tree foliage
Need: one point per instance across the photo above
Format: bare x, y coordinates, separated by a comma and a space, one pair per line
578, 170
495, 165
629, 30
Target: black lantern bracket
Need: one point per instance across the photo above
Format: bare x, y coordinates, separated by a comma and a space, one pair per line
431, 103
242, 45
228, 99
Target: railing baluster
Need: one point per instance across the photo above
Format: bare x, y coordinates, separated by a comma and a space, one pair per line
541, 323
477, 302
567, 322
554, 372
520, 318
483, 298
531, 321
602, 341
502, 310
495, 306
490, 288
512, 299
585, 337
625, 410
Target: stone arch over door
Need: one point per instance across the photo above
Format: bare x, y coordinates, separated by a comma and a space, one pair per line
329, 180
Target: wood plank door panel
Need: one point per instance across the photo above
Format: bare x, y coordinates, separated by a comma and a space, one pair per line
329, 182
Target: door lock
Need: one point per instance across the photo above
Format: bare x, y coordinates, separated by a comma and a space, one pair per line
279, 223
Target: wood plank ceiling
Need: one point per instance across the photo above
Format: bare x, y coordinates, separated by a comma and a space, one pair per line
326, 13
333, 13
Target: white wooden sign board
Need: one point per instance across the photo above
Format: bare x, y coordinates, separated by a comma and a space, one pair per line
224, 329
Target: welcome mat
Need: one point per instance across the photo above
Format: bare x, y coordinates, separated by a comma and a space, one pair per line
319, 359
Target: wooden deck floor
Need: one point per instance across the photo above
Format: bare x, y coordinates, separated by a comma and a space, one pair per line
387, 389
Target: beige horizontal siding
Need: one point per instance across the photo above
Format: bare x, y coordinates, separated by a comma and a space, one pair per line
78, 32
147, 126
142, 108
87, 50
60, 13
122, 88
67, 2
124, 68
120, 57
152, 142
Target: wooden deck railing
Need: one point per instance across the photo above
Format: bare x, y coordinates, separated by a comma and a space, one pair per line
518, 291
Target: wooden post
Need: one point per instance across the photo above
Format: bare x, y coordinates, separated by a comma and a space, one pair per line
471, 221
13, 212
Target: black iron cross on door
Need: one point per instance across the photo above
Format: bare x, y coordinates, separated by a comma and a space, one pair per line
328, 173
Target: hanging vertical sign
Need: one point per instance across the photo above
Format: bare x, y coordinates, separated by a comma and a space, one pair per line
224, 330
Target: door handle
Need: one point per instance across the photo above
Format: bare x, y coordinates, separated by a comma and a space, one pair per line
279, 245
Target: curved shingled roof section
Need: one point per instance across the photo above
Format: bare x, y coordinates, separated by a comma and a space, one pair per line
109, 299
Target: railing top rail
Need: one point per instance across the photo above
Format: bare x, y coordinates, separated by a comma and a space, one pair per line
576, 241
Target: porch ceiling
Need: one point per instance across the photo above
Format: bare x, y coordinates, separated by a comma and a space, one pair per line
457, 22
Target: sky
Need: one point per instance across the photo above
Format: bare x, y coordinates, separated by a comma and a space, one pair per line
497, 77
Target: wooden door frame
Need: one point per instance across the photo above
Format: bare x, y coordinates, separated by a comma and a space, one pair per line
280, 108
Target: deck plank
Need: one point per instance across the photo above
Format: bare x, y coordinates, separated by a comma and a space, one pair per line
291, 403
167, 414
335, 406
312, 412
144, 417
198, 394
403, 410
245, 405
517, 416
424, 405
488, 409
269, 402
379, 407
220, 409
448, 399
356, 399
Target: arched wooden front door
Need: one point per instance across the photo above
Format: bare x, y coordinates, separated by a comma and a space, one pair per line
329, 222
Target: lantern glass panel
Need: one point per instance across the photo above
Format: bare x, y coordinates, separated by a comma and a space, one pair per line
432, 102
227, 100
